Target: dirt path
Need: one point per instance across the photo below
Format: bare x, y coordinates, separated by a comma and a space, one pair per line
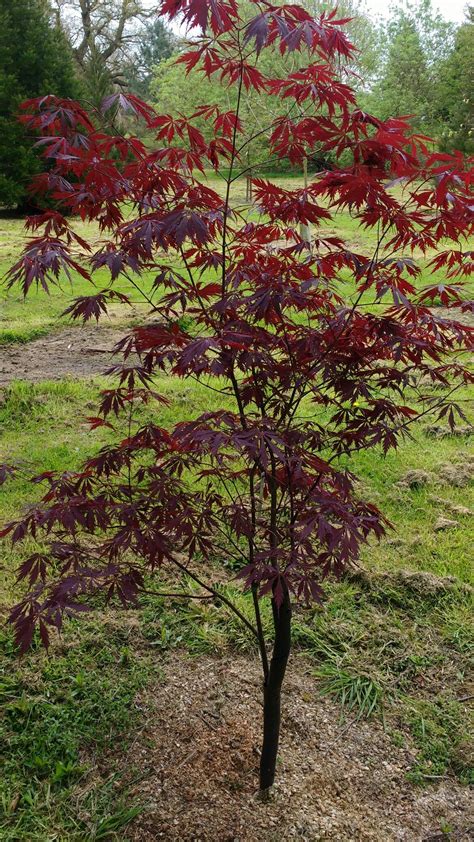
79, 352
73, 352
344, 782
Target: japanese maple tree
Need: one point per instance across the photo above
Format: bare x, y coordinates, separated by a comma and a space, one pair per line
318, 350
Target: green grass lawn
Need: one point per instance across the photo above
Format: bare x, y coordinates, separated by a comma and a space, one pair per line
22, 320
392, 642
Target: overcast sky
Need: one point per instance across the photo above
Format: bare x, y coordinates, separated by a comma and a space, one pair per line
450, 9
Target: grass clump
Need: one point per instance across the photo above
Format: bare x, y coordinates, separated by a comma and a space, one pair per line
398, 645
355, 691
21, 335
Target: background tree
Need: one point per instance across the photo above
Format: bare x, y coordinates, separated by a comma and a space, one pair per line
157, 43
413, 43
317, 351
455, 91
109, 40
34, 60
435, 33
405, 86
170, 91
364, 31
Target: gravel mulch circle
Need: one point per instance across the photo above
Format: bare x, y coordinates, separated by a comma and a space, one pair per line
198, 756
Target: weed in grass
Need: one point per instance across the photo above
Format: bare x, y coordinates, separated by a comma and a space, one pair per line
317, 642
356, 692
201, 626
457, 626
397, 737
117, 821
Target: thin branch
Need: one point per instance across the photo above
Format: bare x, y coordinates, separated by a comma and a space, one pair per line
175, 595
216, 594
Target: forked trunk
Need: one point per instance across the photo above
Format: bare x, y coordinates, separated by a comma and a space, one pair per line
272, 691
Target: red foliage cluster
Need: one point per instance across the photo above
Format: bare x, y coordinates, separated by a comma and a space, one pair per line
319, 346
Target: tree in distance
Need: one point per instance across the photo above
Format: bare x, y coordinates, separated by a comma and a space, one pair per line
34, 60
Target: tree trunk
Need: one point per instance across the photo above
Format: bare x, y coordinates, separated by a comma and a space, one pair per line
248, 181
272, 690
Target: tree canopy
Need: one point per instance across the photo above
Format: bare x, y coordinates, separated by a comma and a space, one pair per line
405, 84
157, 43
413, 63
414, 42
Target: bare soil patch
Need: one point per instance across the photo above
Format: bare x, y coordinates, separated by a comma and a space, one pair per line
458, 474
85, 351
74, 352
198, 753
